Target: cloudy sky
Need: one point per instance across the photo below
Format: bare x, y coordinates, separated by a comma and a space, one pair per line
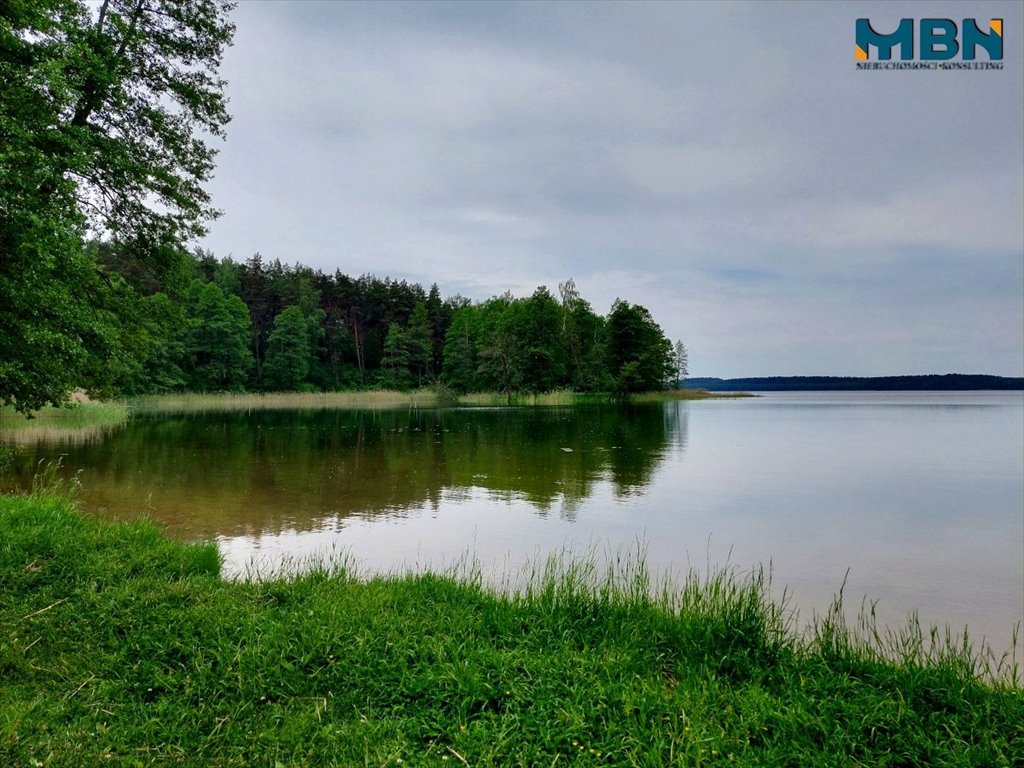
723, 164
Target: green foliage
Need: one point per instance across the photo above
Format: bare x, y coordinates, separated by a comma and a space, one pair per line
584, 335
395, 364
51, 332
538, 350
164, 320
145, 350
216, 339
439, 317
95, 331
114, 101
680, 364
228, 276
419, 345
496, 347
540, 345
120, 647
460, 351
106, 112
639, 354
99, 113
288, 353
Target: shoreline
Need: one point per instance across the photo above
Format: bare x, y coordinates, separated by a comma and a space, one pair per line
122, 644
83, 412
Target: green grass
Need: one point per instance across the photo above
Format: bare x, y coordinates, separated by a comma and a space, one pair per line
121, 647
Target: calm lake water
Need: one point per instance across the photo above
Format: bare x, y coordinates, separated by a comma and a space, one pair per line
919, 497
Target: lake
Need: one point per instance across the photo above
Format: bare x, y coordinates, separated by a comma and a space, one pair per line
915, 500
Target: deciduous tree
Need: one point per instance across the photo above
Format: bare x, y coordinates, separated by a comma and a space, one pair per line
105, 112
395, 362
216, 343
640, 356
287, 363
681, 361
460, 362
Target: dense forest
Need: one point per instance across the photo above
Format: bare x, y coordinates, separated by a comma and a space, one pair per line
222, 325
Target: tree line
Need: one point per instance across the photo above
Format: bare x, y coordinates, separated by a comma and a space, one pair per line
267, 326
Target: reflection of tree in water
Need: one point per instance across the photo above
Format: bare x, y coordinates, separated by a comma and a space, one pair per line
677, 425
638, 440
268, 471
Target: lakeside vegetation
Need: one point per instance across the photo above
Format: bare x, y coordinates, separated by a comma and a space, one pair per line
52, 422
75, 414
69, 422
121, 646
197, 402
416, 398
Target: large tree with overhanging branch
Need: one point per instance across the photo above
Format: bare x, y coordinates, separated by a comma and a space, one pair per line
107, 116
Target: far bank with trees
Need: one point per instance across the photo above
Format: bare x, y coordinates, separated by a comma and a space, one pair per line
109, 114
261, 327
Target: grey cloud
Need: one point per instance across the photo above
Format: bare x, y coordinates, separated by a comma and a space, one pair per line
666, 152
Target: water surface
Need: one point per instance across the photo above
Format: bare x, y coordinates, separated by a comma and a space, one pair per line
916, 500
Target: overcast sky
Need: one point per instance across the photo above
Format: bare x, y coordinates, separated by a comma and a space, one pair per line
723, 164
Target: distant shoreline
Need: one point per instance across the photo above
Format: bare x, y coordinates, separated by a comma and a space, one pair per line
934, 382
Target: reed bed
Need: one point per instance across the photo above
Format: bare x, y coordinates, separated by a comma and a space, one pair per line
73, 415
685, 394
71, 421
121, 647
95, 414
256, 401
556, 398
77, 422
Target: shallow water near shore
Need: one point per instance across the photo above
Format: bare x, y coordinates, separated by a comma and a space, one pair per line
914, 500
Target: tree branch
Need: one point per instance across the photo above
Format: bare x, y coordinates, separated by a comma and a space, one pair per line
102, 16
92, 98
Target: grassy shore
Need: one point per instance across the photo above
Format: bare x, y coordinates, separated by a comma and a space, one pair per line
121, 647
